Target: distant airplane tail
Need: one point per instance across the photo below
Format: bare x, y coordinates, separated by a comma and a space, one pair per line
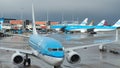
84, 22
105, 24
91, 23
117, 24
33, 17
101, 23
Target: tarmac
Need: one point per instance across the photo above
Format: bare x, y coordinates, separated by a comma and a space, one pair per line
90, 57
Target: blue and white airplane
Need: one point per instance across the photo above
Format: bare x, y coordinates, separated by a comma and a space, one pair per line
47, 49
1, 23
108, 28
84, 28
58, 27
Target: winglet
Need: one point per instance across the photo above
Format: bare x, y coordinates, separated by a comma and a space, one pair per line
101, 23
33, 18
84, 22
117, 24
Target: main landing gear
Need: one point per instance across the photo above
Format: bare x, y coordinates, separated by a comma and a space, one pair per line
27, 61
57, 66
102, 48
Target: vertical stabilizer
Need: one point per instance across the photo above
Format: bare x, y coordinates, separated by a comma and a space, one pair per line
106, 23
91, 23
117, 24
84, 22
101, 23
33, 18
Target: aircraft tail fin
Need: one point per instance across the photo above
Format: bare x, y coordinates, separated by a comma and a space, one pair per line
33, 18
91, 23
117, 24
106, 23
84, 22
101, 23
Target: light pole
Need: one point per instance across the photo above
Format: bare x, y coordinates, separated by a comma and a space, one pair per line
47, 16
62, 16
21, 13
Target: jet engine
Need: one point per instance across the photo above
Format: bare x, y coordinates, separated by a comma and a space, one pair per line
73, 57
18, 58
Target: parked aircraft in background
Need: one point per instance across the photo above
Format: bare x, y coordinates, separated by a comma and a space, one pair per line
60, 26
1, 23
84, 28
48, 49
107, 28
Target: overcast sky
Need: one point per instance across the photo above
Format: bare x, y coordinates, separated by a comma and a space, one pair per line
79, 9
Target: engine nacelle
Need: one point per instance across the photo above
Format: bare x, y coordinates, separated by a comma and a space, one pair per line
17, 58
73, 57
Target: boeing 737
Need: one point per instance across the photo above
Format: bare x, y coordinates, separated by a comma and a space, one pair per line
48, 49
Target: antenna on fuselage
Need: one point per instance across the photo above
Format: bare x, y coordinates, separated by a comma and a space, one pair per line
33, 20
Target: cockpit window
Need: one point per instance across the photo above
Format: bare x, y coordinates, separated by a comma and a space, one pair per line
49, 49
55, 49
60, 49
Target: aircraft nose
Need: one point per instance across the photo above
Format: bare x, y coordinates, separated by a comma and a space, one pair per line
56, 61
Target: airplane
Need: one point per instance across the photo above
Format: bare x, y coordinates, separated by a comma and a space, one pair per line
47, 49
107, 28
60, 26
1, 23
83, 29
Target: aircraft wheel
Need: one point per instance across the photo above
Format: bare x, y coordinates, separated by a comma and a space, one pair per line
27, 62
102, 48
57, 67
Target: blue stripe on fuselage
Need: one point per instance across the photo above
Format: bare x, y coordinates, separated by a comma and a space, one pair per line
41, 44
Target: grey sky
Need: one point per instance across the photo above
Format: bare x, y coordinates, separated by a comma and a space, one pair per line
97, 9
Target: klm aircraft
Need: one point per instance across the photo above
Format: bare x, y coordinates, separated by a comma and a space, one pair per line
83, 28
1, 23
108, 28
47, 49
60, 26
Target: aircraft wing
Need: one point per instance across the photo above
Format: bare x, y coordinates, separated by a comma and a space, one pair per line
26, 36
86, 46
17, 50
21, 35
